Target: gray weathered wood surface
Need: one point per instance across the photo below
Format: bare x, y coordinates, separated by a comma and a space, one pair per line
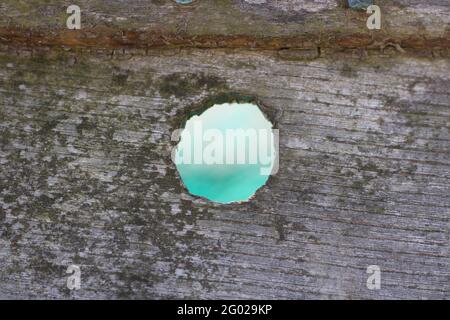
86, 176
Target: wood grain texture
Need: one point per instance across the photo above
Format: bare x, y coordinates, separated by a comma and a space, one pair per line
86, 176
271, 24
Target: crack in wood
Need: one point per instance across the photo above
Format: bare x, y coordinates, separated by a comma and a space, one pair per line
110, 39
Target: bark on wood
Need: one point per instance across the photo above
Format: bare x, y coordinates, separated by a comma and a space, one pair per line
85, 140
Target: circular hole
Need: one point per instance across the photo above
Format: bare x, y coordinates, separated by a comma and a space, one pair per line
227, 153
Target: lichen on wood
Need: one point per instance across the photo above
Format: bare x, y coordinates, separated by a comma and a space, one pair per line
85, 140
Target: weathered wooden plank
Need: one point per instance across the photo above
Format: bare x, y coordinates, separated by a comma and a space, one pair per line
227, 24
86, 176
87, 179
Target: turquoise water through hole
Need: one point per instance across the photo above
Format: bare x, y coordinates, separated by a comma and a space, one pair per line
227, 153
